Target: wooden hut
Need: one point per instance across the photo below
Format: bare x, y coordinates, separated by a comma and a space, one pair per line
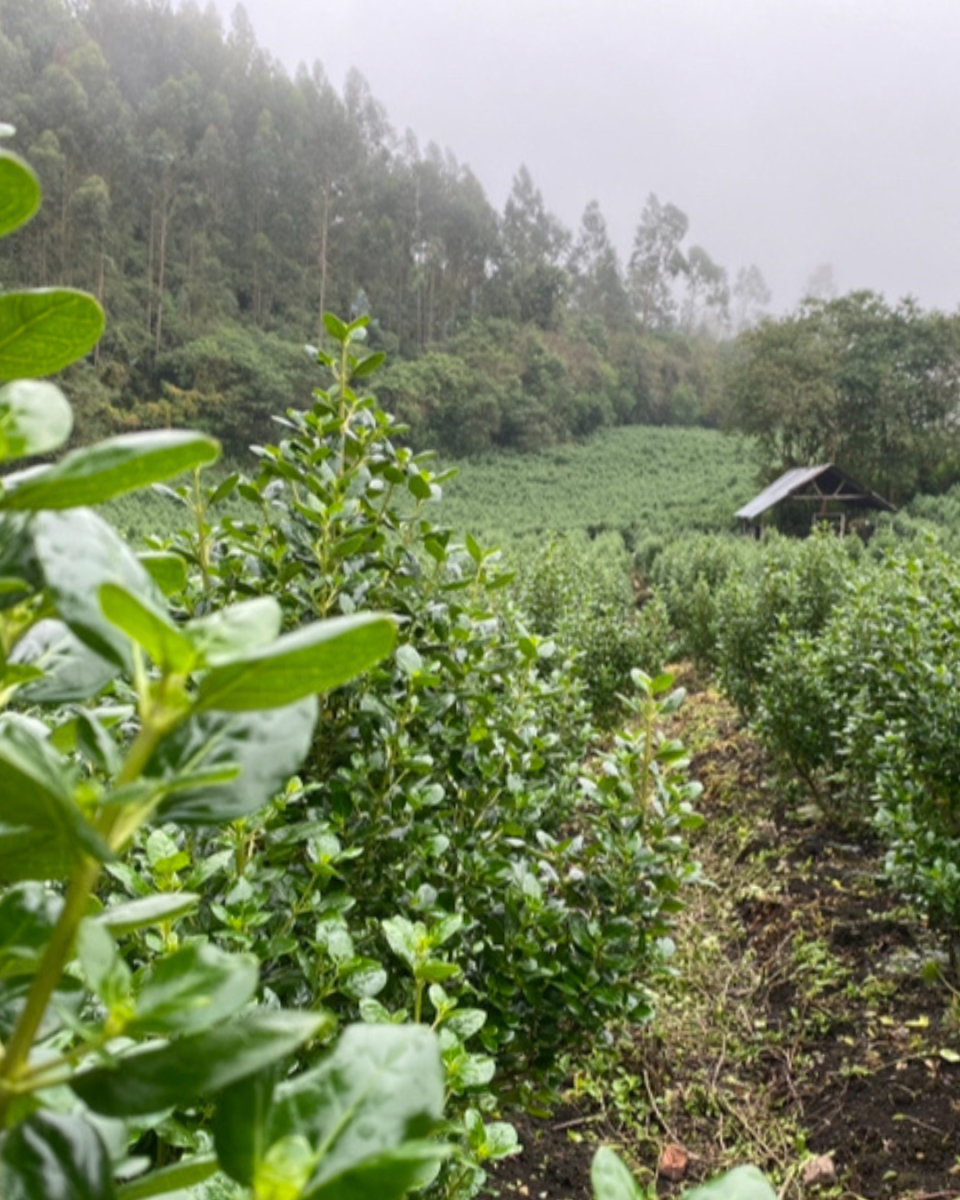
808, 495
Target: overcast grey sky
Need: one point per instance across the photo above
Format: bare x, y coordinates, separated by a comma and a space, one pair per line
792, 132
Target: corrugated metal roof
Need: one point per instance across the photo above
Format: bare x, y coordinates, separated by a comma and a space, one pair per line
788, 482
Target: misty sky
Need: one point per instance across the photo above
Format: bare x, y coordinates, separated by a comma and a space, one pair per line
793, 133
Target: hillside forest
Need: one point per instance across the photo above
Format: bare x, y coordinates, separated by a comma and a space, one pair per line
216, 207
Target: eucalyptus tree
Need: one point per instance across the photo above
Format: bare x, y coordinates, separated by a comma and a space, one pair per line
534, 246
706, 303
656, 263
597, 287
750, 298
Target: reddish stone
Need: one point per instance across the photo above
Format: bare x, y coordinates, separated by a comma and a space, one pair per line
674, 1162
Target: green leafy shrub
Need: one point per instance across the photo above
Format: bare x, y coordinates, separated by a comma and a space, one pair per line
116, 1017
688, 574
789, 586
800, 715
444, 792
864, 707
890, 657
579, 594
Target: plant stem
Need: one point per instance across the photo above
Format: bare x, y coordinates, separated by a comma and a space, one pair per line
203, 544
116, 829
418, 1003
47, 977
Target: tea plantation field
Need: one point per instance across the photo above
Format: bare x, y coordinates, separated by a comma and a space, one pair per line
640, 481
643, 482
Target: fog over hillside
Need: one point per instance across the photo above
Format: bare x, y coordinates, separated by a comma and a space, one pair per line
794, 134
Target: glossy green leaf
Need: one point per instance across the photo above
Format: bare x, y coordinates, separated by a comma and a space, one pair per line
501, 1140
171, 1181
34, 794
434, 971
97, 473
285, 1168
35, 417
147, 911
335, 327
742, 1183
55, 1156
368, 365
610, 1178
225, 488
70, 670
419, 487
404, 939
106, 973
44, 330
149, 626
34, 854
382, 1087
266, 747
28, 914
199, 1064
445, 928
78, 553
468, 1070
389, 1176
168, 571
360, 977
192, 989
16, 675
465, 1022
19, 192
314, 659
236, 630
240, 1125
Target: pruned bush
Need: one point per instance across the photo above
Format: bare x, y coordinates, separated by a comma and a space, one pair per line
445, 790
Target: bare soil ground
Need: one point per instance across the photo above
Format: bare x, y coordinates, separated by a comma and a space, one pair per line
809, 1017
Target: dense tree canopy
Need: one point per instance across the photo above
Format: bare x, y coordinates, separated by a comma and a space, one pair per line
218, 206
873, 388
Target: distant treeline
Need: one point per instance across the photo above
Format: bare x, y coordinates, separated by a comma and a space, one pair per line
218, 207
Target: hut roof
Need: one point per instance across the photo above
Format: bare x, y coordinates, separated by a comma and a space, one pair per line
821, 483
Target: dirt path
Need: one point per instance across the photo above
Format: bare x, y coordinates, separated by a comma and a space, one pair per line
808, 1018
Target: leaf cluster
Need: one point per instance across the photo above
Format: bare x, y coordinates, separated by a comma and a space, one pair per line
119, 718
441, 807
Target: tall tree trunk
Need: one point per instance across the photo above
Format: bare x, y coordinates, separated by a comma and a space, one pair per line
191, 275
431, 289
101, 278
153, 211
165, 205
324, 232
64, 276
